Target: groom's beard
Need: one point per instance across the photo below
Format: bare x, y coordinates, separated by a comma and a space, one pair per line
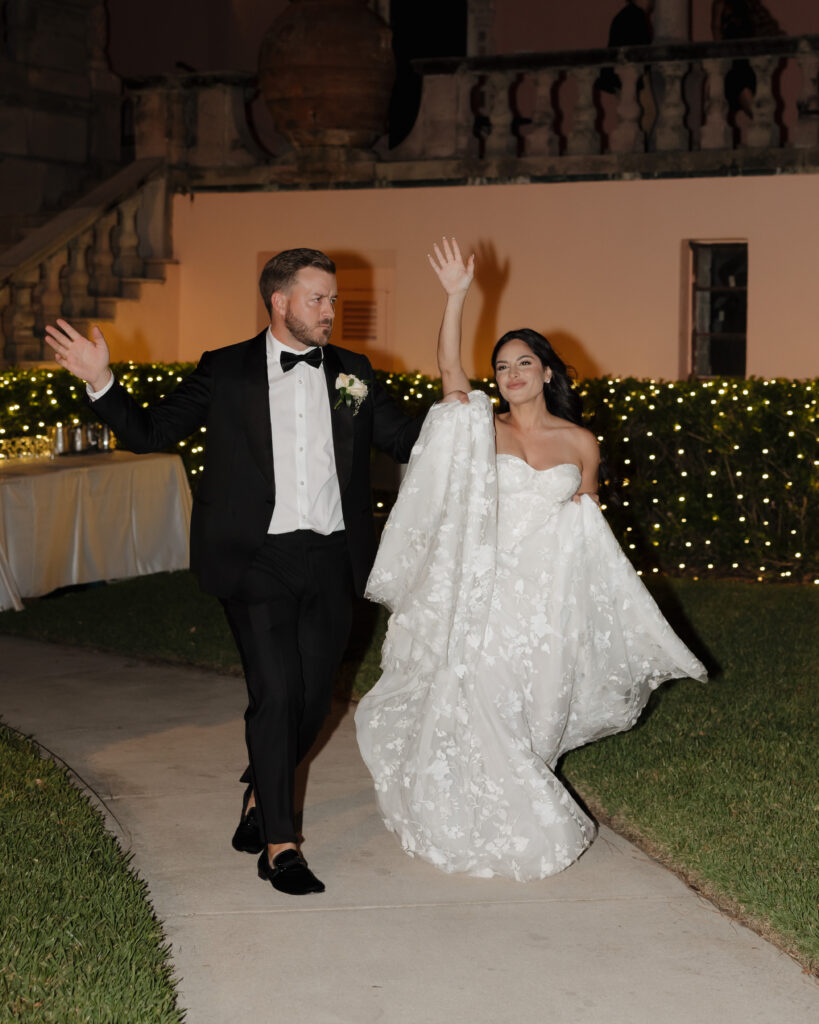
318, 335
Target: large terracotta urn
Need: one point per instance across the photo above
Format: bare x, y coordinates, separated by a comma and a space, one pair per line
326, 70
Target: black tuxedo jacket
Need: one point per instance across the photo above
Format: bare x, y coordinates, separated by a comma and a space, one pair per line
234, 499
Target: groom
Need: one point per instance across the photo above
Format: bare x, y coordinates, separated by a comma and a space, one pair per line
282, 528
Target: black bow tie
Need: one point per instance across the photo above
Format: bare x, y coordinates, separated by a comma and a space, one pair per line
311, 356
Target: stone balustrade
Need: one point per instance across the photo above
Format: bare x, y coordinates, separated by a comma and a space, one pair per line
519, 117
638, 110
85, 259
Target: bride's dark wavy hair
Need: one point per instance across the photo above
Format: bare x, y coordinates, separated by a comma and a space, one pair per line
561, 398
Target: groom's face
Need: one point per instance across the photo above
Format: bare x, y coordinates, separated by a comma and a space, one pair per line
307, 309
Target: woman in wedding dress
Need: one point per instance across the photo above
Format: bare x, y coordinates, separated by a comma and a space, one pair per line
519, 630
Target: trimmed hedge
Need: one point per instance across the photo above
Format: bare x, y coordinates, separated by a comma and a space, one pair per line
707, 478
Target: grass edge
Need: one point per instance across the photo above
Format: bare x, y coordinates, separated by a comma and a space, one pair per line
703, 887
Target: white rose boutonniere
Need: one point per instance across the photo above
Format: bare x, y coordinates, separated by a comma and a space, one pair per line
351, 391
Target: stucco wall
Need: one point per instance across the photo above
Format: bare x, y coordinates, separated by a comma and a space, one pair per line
599, 267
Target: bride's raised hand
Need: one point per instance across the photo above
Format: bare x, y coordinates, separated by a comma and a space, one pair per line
455, 275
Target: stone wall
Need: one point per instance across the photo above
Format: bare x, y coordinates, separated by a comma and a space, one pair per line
59, 108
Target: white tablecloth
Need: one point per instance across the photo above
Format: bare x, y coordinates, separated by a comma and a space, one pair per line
81, 518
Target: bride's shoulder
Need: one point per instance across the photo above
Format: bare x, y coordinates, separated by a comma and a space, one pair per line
583, 436
585, 442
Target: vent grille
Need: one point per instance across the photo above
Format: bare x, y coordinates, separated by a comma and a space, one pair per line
360, 323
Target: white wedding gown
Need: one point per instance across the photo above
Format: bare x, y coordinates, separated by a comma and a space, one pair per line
519, 630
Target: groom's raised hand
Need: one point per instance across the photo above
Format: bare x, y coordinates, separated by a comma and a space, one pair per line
86, 358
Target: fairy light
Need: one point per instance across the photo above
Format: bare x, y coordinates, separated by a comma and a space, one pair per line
716, 425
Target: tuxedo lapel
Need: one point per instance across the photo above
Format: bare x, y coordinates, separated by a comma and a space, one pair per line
257, 405
342, 418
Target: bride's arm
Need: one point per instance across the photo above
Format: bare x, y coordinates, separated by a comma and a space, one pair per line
455, 278
590, 461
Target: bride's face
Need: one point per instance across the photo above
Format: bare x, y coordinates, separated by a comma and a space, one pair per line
519, 373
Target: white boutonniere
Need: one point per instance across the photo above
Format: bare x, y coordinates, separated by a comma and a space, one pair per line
351, 391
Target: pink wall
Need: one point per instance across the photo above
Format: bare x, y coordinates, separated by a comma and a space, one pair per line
597, 266
149, 328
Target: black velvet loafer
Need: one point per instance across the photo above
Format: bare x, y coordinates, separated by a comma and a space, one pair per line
289, 873
248, 837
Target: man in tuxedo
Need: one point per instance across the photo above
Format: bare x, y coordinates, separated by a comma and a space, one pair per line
282, 528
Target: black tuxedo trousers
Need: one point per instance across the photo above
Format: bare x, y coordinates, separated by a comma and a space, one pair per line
291, 619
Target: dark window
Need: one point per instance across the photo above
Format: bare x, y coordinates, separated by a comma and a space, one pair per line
719, 309
420, 28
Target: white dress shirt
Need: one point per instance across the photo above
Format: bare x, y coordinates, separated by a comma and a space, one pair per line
304, 463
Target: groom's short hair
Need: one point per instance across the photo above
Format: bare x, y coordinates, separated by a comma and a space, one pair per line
278, 273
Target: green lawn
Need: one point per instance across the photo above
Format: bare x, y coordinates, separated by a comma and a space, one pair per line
78, 939
717, 780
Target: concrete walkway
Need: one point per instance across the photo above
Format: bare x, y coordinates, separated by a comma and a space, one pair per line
616, 939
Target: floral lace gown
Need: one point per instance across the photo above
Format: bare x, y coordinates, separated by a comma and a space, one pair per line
519, 630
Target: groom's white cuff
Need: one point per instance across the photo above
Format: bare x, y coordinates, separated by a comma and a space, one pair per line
94, 395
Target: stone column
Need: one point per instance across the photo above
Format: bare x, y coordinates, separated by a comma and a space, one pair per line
672, 21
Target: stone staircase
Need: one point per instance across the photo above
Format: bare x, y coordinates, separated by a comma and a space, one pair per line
83, 261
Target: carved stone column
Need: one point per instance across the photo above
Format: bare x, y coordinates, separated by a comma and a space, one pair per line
103, 279
153, 220
78, 303
670, 132
128, 262
48, 294
763, 131
500, 141
22, 345
541, 139
628, 136
584, 137
716, 132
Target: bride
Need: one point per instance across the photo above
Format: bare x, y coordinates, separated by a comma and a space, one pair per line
519, 630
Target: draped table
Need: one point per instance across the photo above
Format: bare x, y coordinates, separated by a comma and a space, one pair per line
83, 518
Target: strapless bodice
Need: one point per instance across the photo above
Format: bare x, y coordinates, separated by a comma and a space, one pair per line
527, 497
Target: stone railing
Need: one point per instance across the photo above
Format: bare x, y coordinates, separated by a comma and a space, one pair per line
518, 117
85, 259
545, 115
194, 121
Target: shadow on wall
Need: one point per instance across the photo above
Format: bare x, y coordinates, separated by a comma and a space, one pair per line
491, 278
573, 353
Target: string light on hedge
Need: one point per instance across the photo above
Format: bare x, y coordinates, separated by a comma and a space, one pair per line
624, 408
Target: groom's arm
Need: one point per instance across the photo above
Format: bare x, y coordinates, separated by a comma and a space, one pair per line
141, 429
393, 431
162, 425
